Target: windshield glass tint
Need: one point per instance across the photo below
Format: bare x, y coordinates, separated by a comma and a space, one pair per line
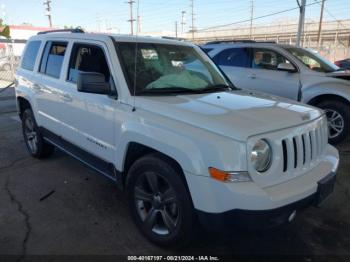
170, 67
312, 60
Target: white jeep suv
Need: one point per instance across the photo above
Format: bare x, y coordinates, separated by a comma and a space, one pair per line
288, 71
158, 118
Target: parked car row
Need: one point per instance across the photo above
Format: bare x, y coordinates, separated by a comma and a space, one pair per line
288, 71
8, 62
162, 121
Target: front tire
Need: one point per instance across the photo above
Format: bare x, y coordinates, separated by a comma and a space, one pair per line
338, 116
33, 139
159, 202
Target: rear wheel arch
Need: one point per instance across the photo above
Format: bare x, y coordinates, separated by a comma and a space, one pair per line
23, 104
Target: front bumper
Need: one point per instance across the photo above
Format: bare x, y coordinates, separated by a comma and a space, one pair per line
254, 219
258, 219
217, 203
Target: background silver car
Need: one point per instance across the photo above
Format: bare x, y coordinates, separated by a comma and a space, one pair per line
288, 71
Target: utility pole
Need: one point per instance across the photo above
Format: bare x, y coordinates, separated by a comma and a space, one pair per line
320, 26
99, 21
131, 20
139, 24
175, 29
251, 18
47, 3
301, 20
192, 15
183, 21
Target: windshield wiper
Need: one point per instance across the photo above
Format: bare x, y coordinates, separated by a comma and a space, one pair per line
166, 90
218, 87
339, 69
179, 90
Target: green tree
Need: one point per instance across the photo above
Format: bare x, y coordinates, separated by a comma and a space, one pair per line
5, 29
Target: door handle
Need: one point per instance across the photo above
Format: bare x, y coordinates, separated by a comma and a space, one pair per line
36, 87
253, 76
66, 97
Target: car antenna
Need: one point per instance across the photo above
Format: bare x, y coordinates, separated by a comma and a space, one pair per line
136, 51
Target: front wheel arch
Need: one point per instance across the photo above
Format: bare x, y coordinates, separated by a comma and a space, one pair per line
340, 105
327, 97
136, 150
156, 161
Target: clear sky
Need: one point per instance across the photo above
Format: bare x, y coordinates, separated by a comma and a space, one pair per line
159, 15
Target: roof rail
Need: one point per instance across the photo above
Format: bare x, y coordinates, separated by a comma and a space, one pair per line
238, 41
173, 38
74, 30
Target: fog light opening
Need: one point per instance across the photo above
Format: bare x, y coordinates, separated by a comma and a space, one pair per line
292, 216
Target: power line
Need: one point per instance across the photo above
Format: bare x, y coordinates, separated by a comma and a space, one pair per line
336, 19
259, 17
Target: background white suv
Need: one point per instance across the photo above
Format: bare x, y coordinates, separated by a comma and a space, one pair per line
172, 132
288, 71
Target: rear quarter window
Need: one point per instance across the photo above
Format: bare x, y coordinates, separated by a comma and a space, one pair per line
52, 59
30, 54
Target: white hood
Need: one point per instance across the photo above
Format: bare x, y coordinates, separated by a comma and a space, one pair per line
235, 114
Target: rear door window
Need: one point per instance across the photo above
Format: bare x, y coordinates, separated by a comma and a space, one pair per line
233, 57
52, 60
30, 55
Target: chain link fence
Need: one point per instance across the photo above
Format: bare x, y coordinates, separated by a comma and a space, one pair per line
10, 54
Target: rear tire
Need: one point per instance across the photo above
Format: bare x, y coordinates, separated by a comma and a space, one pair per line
33, 139
159, 201
338, 116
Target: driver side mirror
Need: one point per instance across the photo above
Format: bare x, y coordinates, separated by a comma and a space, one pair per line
286, 67
92, 82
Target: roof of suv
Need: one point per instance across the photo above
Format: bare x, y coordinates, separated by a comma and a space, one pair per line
100, 36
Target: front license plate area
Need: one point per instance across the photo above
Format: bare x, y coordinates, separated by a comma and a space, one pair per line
325, 188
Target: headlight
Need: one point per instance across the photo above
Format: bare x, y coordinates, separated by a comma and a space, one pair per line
261, 155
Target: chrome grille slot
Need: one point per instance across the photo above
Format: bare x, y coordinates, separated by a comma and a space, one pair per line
313, 144
295, 152
285, 155
302, 150
319, 141
307, 147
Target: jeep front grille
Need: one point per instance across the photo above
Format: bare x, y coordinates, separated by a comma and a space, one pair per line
301, 150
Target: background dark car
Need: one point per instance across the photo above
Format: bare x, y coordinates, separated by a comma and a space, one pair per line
343, 63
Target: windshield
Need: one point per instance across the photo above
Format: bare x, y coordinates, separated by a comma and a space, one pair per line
312, 60
163, 68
